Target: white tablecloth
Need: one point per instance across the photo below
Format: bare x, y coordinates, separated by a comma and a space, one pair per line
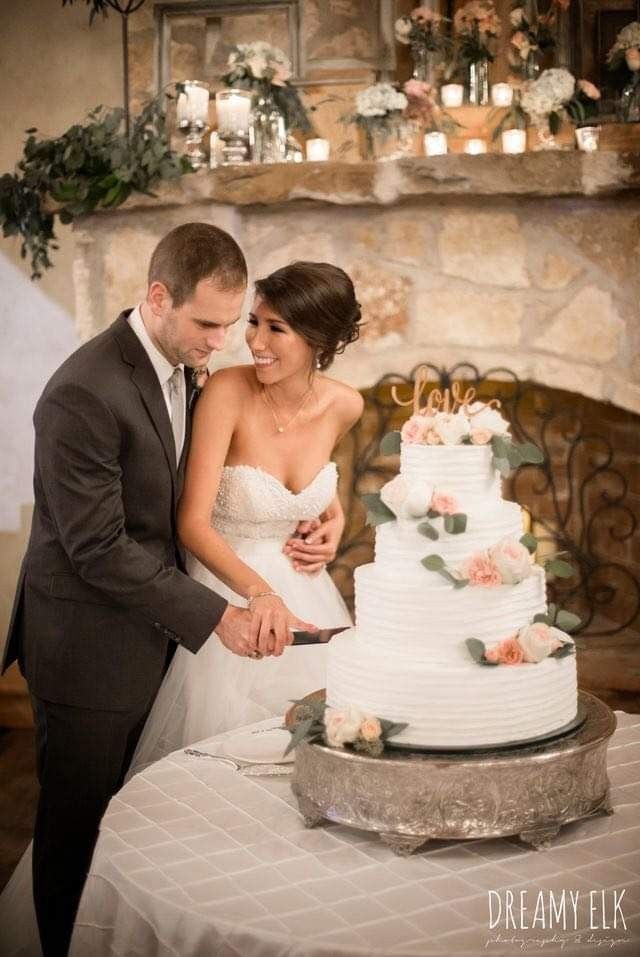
196, 859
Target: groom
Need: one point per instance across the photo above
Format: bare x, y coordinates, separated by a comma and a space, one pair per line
103, 598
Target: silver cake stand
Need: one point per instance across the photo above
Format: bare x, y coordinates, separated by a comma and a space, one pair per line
411, 797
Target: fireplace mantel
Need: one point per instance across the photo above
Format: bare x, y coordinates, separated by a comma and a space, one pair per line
455, 176
521, 262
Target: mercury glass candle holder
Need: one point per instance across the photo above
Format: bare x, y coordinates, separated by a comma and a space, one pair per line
192, 114
233, 108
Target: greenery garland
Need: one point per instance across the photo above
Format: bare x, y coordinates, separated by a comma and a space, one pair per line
90, 166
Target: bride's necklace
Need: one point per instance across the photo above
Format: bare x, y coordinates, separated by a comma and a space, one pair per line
272, 408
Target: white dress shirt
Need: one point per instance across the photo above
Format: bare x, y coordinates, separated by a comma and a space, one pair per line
163, 368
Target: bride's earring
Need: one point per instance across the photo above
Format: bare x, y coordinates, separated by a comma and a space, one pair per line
318, 363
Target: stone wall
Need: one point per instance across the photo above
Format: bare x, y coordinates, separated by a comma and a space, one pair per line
543, 285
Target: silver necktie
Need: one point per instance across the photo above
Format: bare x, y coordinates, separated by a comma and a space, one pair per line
176, 392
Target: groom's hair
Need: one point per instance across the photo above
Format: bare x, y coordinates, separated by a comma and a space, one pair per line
196, 251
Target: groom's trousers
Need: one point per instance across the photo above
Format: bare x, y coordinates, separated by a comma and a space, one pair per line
82, 756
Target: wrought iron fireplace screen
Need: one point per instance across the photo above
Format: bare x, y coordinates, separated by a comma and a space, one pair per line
579, 501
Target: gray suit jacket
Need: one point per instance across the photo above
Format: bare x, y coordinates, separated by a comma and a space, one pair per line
102, 590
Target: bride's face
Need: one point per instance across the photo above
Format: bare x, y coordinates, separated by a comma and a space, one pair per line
278, 351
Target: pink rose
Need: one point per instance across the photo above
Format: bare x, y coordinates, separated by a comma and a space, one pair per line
510, 652
632, 56
424, 14
512, 560
444, 503
589, 89
432, 438
415, 429
418, 89
370, 729
342, 727
492, 654
480, 436
480, 570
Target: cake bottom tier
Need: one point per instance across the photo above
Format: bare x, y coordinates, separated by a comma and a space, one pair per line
461, 705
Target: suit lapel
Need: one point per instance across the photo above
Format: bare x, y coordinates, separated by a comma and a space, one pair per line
146, 381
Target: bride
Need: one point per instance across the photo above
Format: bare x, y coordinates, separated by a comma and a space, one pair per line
259, 512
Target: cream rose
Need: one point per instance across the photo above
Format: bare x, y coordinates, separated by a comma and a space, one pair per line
342, 727
418, 500
538, 641
370, 729
414, 431
481, 416
632, 56
450, 427
480, 436
394, 495
512, 560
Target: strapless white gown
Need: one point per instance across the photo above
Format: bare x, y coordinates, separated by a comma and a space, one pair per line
215, 690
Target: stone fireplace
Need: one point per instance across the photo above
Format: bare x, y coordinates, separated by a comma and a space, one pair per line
522, 269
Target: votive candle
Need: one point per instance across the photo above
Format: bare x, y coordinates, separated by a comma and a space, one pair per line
475, 146
514, 141
435, 144
318, 150
501, 94
451, 94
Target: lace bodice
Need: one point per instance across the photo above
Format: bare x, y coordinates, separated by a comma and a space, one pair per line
252, 503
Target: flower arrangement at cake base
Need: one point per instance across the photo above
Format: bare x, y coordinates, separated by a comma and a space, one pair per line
311, 720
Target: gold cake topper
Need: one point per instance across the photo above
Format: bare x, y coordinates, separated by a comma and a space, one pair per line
449, 401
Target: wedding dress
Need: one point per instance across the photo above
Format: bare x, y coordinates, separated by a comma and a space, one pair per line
215, 690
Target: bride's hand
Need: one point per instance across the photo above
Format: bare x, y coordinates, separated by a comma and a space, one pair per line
319, 545
272, 624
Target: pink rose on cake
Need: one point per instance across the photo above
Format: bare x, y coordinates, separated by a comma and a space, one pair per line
370, 729
481, 570
415, 430
342, 727
512, 560
510, 652
451, 428
480, 436
483, 417
538, 641
444, 503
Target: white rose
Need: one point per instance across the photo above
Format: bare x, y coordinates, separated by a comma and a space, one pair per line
538, 641
342, 727
418, 500
394, 494
481, 416
451, 428
257, 64
403, 29
516, 16
512, 560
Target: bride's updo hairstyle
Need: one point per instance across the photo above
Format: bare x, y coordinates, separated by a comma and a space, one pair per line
319, 302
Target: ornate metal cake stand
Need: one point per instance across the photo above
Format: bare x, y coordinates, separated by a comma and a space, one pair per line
409, 798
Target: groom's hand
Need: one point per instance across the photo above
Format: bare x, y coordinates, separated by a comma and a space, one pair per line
314, 544
234, 631
273, 624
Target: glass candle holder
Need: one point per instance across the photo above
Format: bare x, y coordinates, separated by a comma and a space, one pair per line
452, 94
435, 144
233, 108
514, 141
588, 138
192, 115
501, 94
318, 150
475, 146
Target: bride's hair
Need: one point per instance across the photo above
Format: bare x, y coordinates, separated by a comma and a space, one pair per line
319, 302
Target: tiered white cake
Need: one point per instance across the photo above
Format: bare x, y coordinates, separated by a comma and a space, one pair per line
407, 659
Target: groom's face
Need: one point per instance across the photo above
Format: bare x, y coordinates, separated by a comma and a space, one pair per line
191, 332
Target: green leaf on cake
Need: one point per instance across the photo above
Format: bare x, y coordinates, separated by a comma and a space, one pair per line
531, 453
455, 524
514, 455
432, 513
567, 621
426, 528
542, 619
530, 542
434, 563
390, 728
475, 648
456, 582
500, 447
377, 511
502, 465
558, 568
390, 444
299, 733
552, 611
564, 650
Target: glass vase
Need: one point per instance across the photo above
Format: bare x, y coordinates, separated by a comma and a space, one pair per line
425, 65
629, 105
545, 139
478, 83
268, 131
391, 140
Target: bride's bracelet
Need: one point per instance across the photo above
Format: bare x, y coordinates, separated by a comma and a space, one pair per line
261, 594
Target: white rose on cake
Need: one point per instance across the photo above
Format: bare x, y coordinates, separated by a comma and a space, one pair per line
538, 641
512, 560
482, 417
418, 501
394, 495
451, 428
342, 727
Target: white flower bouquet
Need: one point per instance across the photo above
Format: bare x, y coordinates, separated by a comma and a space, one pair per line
556, 93
380, 110
266, 70
626, 49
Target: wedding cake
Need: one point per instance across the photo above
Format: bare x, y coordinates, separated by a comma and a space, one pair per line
453, 637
